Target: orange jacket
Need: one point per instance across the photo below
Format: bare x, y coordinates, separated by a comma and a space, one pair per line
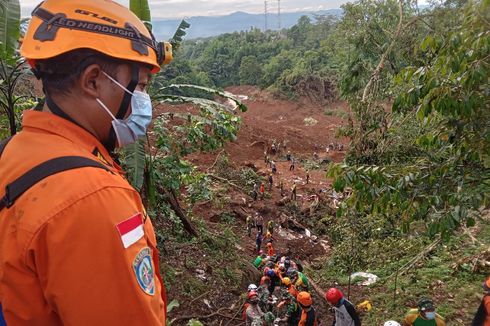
270, 251
308, 318
292, 290
486, 303
63, 257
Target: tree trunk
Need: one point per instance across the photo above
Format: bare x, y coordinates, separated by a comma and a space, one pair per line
175, 205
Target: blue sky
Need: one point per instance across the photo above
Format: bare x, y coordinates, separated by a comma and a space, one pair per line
187, 8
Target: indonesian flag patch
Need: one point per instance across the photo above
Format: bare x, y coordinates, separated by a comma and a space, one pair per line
131, 230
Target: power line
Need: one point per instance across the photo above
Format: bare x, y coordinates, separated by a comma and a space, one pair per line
279, 14
265, 15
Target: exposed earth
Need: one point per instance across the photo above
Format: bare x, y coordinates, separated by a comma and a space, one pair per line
271, 120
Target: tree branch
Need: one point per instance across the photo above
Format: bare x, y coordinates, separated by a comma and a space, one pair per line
174, 204
381, 63
216, 313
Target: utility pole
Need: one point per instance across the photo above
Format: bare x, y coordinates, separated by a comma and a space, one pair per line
265, 15
279, 14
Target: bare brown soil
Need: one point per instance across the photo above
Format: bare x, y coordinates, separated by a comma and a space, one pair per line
267, 120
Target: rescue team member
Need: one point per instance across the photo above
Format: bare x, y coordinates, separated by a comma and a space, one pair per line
293, 311
345, 312
308, 314
77, 248
425, 315
290, 287
482, 316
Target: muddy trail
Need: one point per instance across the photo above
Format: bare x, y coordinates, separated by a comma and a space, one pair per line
308, 134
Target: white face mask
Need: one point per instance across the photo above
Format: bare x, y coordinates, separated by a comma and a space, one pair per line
135, 125
430, 315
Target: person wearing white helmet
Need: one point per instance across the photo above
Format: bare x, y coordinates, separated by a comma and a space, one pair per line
252, 287
391, 323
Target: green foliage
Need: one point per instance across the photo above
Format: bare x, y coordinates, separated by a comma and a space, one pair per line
141, 9
369, 28
263, 59
15, 94
452, 85
134, 160
441, 275
250, 71
172, 304
13, 71
179, 34
9, 29
429, 163
207, 130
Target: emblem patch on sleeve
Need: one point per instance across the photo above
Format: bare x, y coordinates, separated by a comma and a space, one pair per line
145, 273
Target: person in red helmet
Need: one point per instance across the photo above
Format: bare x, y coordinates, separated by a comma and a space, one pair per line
345, 313
308, 313
253, 313
482, 317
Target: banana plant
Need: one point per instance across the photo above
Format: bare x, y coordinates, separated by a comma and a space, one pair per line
141, 9
12, 68
210, 128
9, 29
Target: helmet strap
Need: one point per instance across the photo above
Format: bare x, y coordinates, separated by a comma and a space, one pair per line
110, 144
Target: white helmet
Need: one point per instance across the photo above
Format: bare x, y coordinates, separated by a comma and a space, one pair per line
391, 323
252, 287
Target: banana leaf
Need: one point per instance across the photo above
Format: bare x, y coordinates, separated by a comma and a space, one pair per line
135, 163
9, 28
141, 9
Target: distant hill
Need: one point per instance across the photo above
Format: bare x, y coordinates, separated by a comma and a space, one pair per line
239, 21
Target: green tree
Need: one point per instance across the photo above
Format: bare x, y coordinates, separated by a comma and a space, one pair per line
440, 130
250, 71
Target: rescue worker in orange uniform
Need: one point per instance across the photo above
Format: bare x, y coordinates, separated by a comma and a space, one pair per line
77, 247
308, 314
290, 287
482, 316
270, 250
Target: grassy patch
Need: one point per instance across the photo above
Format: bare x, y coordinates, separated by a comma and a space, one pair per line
336, 112
455, 290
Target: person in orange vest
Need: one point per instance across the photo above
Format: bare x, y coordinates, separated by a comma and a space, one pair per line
308, 313
76, 244
268, 237
482, 316
270, 250
262, 191
290, 287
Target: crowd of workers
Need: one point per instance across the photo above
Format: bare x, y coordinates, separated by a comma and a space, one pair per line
284, 295
283, 291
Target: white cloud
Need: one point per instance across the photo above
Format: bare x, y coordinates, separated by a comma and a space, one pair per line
188, 8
